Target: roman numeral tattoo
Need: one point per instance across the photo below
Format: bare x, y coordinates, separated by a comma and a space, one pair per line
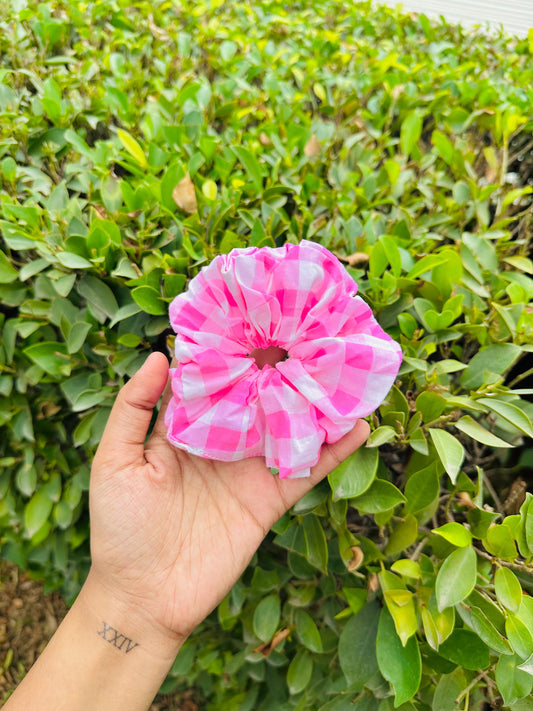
118, 640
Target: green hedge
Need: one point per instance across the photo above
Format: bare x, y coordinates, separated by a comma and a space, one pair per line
140, 139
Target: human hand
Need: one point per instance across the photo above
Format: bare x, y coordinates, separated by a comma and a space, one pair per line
172, 532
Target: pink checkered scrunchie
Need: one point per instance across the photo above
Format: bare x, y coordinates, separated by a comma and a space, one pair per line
276, 355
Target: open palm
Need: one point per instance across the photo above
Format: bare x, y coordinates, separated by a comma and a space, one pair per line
172, 532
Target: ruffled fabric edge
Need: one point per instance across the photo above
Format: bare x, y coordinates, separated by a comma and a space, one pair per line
307, 371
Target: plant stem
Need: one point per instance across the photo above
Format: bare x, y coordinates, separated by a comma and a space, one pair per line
522, 567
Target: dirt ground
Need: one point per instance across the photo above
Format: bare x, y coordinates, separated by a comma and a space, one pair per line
27, 621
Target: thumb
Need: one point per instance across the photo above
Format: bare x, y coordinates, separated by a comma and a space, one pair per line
128, 423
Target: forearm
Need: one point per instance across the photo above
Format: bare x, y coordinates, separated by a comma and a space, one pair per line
103, 656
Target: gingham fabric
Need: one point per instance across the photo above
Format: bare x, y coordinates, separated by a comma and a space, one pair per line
339, 367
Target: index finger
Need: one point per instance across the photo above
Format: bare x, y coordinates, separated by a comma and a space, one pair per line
160, 430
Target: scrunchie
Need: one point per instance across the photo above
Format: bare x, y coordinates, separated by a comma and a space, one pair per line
276, 355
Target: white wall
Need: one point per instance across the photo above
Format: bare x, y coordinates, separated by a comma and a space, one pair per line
515, 15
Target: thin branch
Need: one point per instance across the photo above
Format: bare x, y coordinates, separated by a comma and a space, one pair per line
519, 152
493, 493
522, 567
418, 550
520, 377
469, 688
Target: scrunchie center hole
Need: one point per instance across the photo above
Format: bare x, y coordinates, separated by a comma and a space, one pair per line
268, 356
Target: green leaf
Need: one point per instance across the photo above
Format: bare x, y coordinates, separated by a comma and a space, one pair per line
26, 479
37, 511
32, 268
438, 322
508, 589
357, 646
292, 538
380, 436
400, 603
426, 264
188, 247
403, 535
401, 666
381, 496
422, 490
111, 193
133, 148
100, 299
392, 252
51, 100
527, 666
480, 521
499, 541
78, 386
473, 429
77, 335
355, 475
343, 703
525, 704
62, 515
430, 404
174, 284
410, 132
356, 599
407, 568
489, 608
445, 277
509, 412
378, 261
102, 234
150, 301
497, 359
8, 273
487, 632
251, 166
513, 683
50, 356
73, 261
444, 621
266, 618
320, 92
519, 636
308, 631
464, 648
449, 365
456, 577
447, 690
443, 145
455, 533
520, 262
124, 312
315, 539
408, 324
64, 284
525, 530
210, 190
430, 628
228, 49
450, 451
299, 672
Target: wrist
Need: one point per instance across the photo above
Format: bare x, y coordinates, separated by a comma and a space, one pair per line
105, 655
123, 622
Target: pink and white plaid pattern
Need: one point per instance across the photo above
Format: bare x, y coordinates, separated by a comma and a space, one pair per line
340, 363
